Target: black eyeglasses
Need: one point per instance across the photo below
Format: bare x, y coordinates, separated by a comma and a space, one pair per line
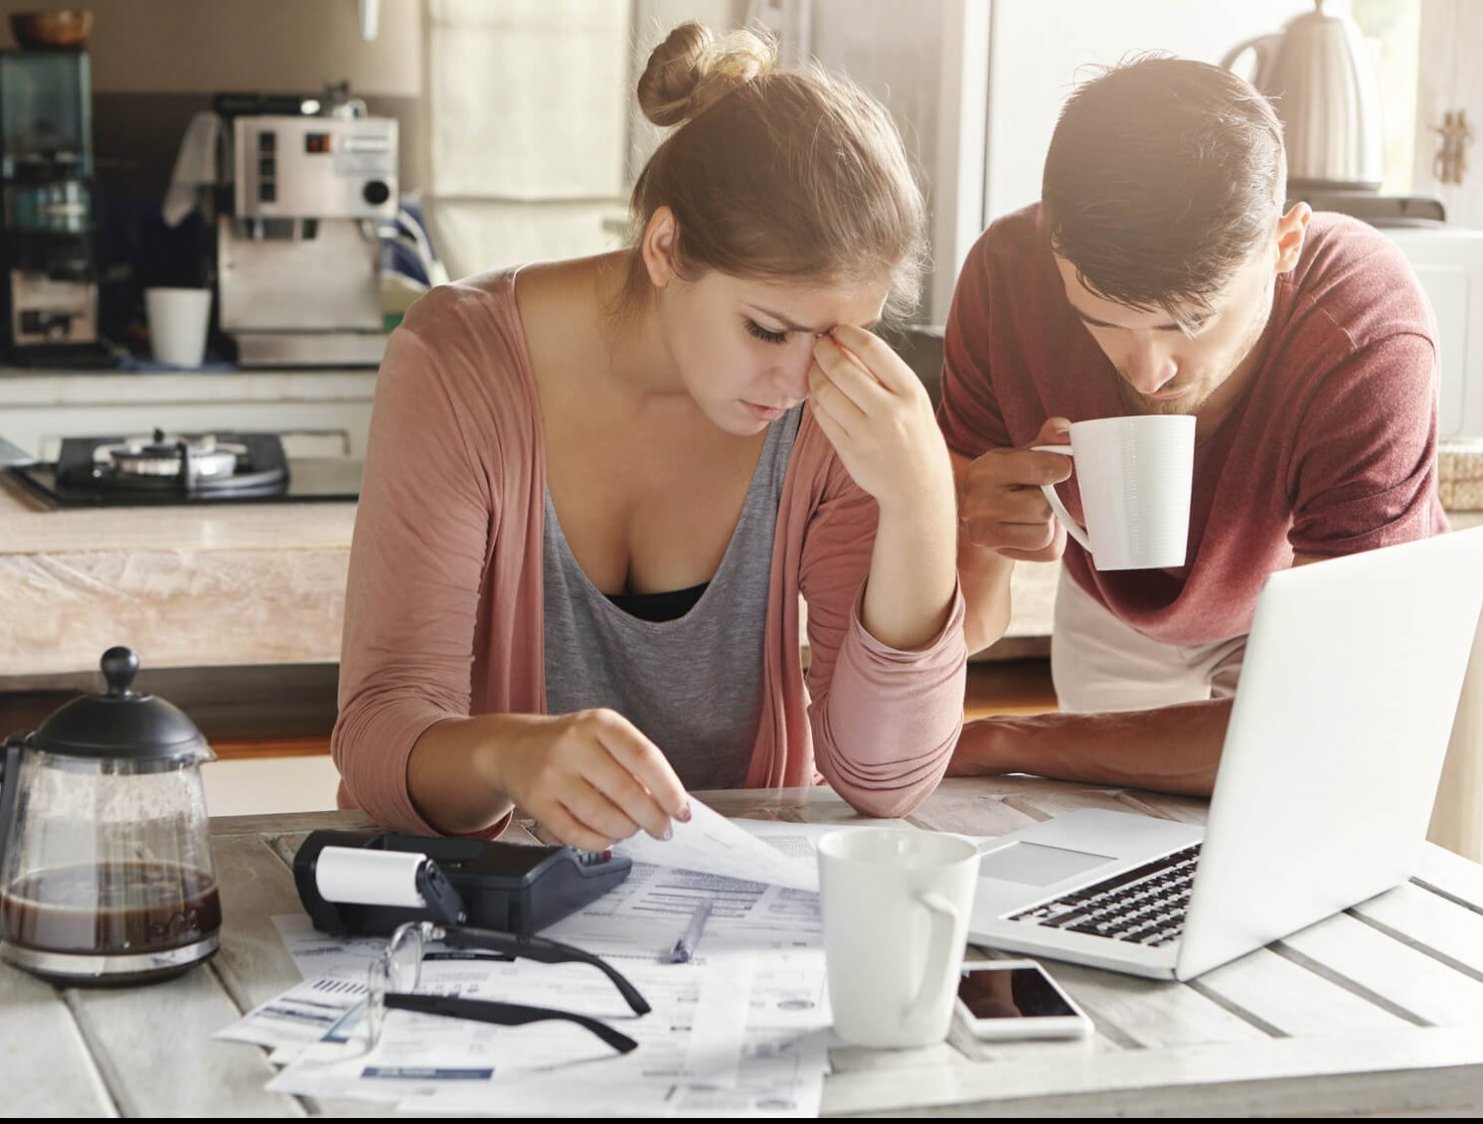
392, 980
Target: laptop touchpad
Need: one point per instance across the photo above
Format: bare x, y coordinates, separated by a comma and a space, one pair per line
1036, 864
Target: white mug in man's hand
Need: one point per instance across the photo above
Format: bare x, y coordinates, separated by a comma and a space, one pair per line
1134, 474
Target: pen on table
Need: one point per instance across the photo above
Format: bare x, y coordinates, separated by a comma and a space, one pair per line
685, 947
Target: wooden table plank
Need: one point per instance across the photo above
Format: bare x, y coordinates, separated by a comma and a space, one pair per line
852, 1059
1059, 801
976, 1050
1431, 922
254, 964
1426, 1070
255, 887
1138, 1012
281, 822
818, 802
1022, 784
38, 1036
1185, 809
1285, 998
973, 815
1394, 972
155, 1049
1449, 873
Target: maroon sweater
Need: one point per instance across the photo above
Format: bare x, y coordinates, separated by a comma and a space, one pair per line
1331, 451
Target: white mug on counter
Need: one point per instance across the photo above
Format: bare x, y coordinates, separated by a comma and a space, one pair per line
1134, 474
896, 903
178, 319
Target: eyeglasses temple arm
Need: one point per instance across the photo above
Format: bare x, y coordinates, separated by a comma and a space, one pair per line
547, 952
503, 1014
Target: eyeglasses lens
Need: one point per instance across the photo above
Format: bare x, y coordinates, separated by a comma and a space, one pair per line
398, 968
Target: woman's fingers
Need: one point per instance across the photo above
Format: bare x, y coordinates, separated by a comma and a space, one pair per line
836, 433
652, 773
854, 381
874, 355
584, 818
828, 401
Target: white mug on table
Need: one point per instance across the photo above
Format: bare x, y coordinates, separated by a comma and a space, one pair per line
1134, 474
896, 903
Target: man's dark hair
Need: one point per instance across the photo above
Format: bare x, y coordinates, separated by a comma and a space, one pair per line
1162, 178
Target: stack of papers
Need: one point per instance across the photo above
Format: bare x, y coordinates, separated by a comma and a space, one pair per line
741, 1029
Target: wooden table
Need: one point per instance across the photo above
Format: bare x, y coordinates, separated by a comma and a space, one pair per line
1376, 1011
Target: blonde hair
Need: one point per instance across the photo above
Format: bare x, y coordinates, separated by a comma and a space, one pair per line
794, 175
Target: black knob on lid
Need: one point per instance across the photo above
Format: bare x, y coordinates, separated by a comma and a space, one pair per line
120, 665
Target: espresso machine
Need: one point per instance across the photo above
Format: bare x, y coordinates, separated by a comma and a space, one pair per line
298, 231
48, 241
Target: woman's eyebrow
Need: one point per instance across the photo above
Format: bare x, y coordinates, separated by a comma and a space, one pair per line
792, 327
784, 321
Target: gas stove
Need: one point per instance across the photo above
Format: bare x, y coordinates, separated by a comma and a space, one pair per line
186, 469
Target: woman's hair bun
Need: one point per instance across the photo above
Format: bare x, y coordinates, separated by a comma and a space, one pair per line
693, 69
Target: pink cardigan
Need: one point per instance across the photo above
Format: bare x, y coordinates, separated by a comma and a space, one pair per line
443, 612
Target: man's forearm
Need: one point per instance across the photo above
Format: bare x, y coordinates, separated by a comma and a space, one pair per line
1172, 749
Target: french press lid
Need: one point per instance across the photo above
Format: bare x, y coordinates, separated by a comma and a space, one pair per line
120, 724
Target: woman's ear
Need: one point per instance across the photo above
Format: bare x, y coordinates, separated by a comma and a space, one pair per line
660, 247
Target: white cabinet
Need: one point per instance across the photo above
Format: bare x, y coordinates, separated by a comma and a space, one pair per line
325, 413
536, 138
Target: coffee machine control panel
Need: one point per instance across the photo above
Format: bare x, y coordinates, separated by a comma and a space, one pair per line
315, 167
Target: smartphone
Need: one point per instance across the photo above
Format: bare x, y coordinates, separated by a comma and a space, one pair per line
1001, 999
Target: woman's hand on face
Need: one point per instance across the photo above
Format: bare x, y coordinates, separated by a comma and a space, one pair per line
876, 413
591, 778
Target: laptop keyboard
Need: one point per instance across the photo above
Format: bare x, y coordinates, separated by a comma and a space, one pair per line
1144, 905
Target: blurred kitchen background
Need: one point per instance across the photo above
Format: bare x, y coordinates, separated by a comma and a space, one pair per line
308, 167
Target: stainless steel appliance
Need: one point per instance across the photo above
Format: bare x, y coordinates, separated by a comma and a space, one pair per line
106, 874
163, 468
1319, 76
298, 249
49, 289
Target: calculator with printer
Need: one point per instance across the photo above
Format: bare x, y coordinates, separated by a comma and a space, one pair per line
509, 887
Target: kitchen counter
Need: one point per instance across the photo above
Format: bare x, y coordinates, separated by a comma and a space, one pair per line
225, 584
29, 386
184, 586
231, 584
37, 408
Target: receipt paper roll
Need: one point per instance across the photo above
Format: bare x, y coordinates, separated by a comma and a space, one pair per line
363, 877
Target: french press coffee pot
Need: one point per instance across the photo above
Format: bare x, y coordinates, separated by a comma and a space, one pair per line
105, 859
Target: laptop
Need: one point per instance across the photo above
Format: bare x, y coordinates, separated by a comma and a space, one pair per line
1341, 721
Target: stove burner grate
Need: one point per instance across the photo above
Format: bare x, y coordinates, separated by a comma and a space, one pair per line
195, 465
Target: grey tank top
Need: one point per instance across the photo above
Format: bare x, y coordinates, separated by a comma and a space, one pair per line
693, 685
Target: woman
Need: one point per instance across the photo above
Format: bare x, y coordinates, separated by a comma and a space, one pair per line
594, 494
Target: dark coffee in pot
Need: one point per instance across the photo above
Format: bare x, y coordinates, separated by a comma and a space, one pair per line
104, 910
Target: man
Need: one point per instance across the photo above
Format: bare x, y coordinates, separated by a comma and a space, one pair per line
1163, 273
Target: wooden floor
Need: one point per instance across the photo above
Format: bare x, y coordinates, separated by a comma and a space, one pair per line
1009, 687
1005, 687
249, 749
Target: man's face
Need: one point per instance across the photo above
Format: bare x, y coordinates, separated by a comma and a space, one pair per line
1167, 368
